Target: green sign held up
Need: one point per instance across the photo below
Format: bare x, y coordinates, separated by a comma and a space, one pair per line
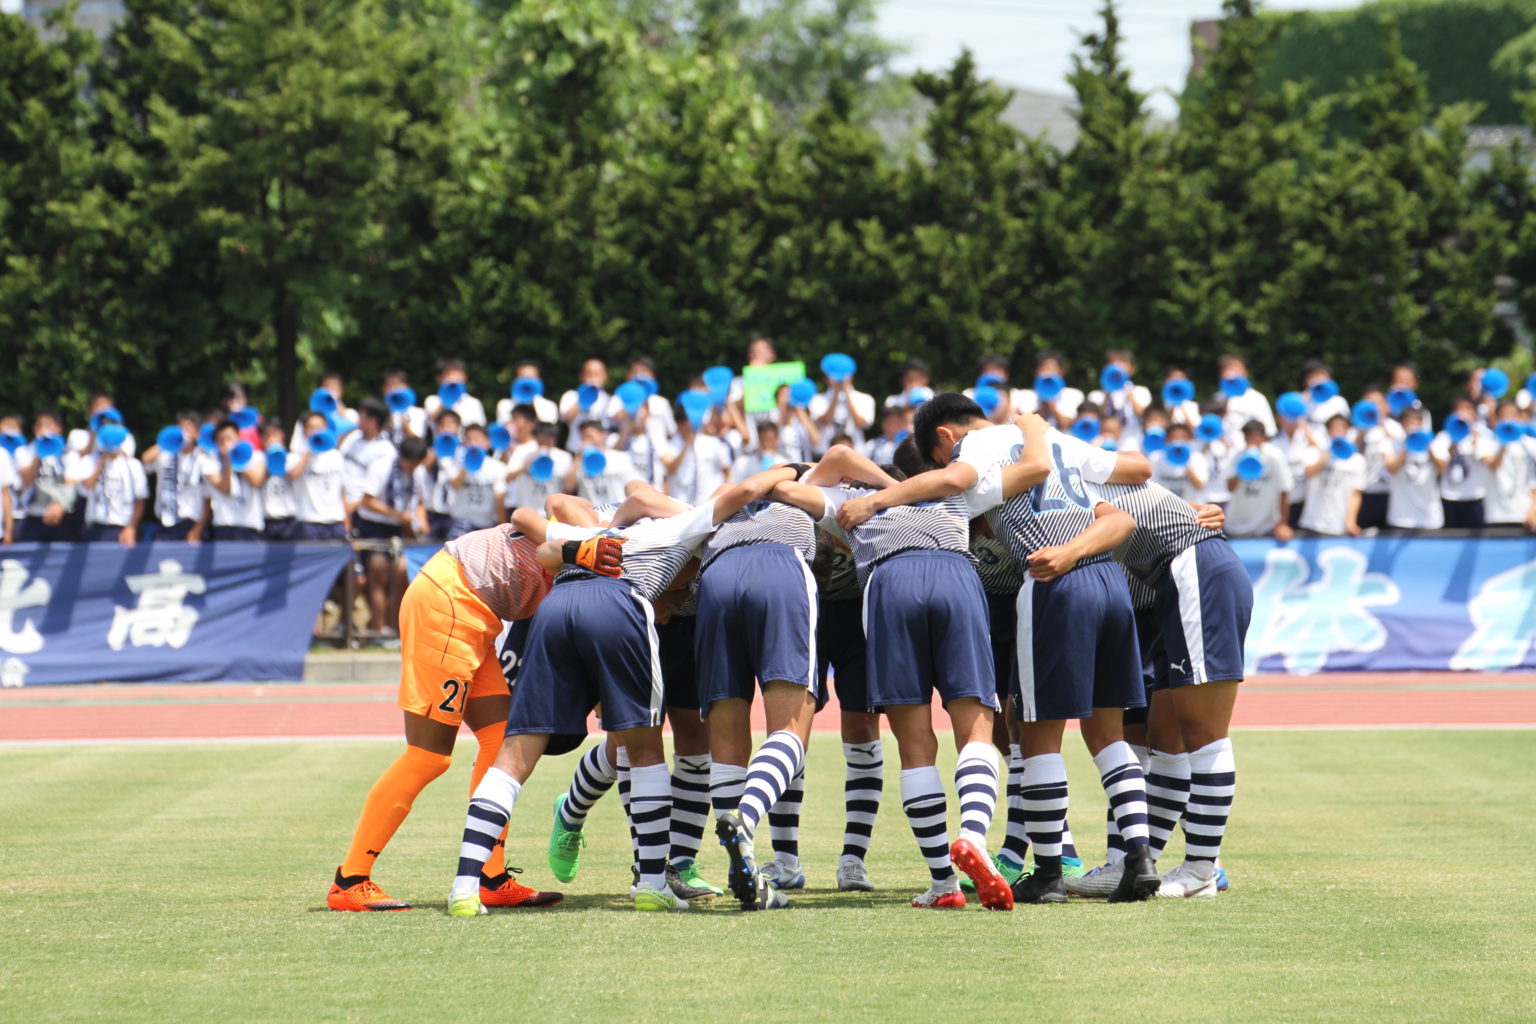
760, 383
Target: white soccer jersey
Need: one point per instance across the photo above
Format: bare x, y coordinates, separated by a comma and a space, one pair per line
1254, 510
1328, 492
121, 483
317, 493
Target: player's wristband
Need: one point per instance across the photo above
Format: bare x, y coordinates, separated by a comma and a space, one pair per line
800, 468
570, 551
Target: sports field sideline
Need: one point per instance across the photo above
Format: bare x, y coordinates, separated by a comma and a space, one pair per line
1375, 876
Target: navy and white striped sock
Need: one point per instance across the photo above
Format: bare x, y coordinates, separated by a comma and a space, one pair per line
1045, 807
1212, 784
976, 786
650, 802
626, 784
1167, 796
1113, 841
690, 805
594, 776
726, 781
489, 808
922, 797
768, 776
784, 823
1126, 788
862, 787
1016, 838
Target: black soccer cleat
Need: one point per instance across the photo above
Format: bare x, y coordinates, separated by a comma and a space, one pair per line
742, 878
1138, 877
1040, 886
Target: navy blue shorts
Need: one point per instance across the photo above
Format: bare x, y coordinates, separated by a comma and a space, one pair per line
32, 530
679, 678
1154, 663
592, 641
318, 531
367, 529
1077, 645
513, 644
927, 614
840, 647
756, 621
246, 533
1204, 603
280, 529
100, 533
177, 531
1003, 618
438, 524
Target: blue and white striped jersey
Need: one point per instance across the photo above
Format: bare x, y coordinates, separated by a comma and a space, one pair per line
1165, 526
927, 526
655, 550
762, 522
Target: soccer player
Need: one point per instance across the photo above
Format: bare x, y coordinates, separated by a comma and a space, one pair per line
1076, 650
450, 674
923, 601
593, 642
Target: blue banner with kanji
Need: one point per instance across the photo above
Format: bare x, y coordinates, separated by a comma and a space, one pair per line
82, 613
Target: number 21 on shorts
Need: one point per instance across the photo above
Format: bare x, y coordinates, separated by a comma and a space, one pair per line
452, 690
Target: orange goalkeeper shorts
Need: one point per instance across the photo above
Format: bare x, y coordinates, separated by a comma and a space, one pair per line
447, 644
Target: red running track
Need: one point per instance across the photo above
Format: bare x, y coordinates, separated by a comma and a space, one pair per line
267, 711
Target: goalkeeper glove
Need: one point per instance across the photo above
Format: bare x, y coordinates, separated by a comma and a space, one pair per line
600, 554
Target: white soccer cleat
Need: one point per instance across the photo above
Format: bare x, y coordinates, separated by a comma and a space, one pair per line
941, 897
1098, 883
781, 877
852, 875
1183, 883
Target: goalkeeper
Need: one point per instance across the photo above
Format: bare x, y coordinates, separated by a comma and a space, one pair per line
450, 674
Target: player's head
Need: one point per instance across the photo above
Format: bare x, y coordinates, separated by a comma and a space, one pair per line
914, 374
314, 422
939, 423
1412, 419
413, 450
524, 420
907, 461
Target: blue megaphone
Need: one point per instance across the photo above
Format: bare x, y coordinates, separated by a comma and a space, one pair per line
245, 418
1178, 453
542, 468
526, 389
205, 438
400, 399
111, 437
838, 367
1419, 441
170, 439
450, 392
918, 395
322, 441
1291, 405
1509, 431
1178, 391
1234, 387
988, 398
322, 401
1154, 440
277, 460
1250, 466
240, 456
718, 380
1399, 399
1324, 389
501, 437
632, 395
1209, 428
446, 446
1112, 379
1341, 448
474, 457
1365, 415
1049, 386
108, 415
1495, 383
1457, 429
801, 392
695, 405
593, 461
1085, 428
586, 396
48, 446
11, 442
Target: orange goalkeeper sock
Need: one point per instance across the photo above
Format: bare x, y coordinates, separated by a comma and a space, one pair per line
490, 739
388, 803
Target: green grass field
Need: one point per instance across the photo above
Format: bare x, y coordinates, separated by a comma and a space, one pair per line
1376, 876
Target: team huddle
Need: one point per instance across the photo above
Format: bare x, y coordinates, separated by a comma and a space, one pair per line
1021, 574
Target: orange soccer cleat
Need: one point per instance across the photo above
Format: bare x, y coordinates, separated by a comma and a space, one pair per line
359, 892
506, 891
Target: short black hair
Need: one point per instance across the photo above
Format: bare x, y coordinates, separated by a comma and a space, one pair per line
1312, 366
1254, 426
413, 448
645, 361
1340, 417
914, 363
525, 410
405, 378
907, 460
224, 425
946, 409
444, 365
584, 424
549, 430
1089, 409
443, 414
1051, 353
1407, 364
375, 407
991, 359
517, 369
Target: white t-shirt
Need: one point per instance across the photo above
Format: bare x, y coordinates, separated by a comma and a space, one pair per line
1377, 443
1299, 452
244, 507
544, 410
55, 480
1509, 496
705, 464
1119, 403
8, 477
122, 482
1328, 493
1250, 405
470, 409
395, 427
277, 497
842, 416
607, 488
1254, 509
361, 455
1321, 412
317, 493
1413, 494
391, 485
1066, 403
478, 500
526, 492
1467, 477
1219, 456
1176, 478
601, 409
180, 493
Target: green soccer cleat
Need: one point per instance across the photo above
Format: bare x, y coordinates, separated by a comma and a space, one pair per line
688, 874
466, 906
564, 846
650, 899
1072, 867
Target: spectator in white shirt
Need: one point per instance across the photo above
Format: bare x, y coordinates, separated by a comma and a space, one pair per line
100, 409
1186, 410
10, 431
408, 422
1060, 409
276, 493
179, 494
895, 420
317, 480
364, 447
1179, 466
765, 455
1321, 393
660, 422
1511, 497
115, 491
391, 508
698, 463
799, 435
598, 474
594, 377
234, 492
1405, 380
1468, 466
914, 374
543, 409
1302, 445
1112, 434
525, 489
1246, 405
524, 421
478, 490
1413, 470
1334, 484
1128, 403
843, 408
437, 493
1261, 502
47, 483
469, 408
1375, 443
